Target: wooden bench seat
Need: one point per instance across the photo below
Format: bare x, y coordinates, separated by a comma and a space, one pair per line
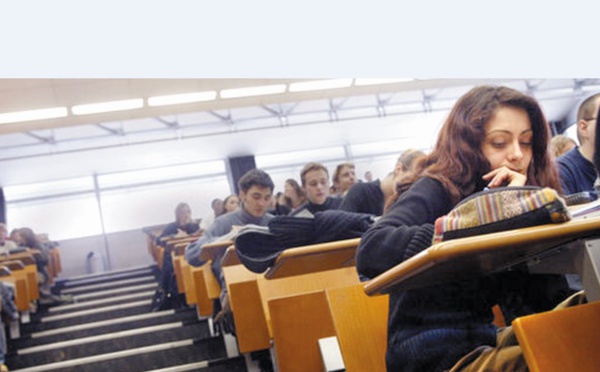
29, 271
272, 307
561, 340
199, 284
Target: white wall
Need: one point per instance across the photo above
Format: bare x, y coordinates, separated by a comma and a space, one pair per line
126, 249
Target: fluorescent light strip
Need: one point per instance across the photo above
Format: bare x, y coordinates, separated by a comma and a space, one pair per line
550, 93
19, 116
360, 82
176, 99
320, 85
588, 88
253, 91
96, 108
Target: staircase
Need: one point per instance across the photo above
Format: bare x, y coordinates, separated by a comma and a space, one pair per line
110, 327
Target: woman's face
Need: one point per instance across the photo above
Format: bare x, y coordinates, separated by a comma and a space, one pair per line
508, 140
288, 190
317, 186
233, 203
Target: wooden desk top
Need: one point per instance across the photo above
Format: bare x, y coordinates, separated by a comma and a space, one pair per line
178, 244
314, 258
28, 257
230, 257
215, 249
482, 254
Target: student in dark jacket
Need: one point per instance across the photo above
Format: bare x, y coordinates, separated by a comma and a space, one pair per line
494, 136
371, 197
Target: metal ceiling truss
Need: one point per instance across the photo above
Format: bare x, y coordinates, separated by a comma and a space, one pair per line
235, 121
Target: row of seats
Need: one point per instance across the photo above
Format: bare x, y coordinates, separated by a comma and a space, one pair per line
19, 271
303, 298
311, 305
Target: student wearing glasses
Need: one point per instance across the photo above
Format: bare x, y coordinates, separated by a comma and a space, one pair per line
576, 169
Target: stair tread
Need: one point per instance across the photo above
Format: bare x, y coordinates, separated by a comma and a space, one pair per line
100, 336
116, 344
204, 350
188, 315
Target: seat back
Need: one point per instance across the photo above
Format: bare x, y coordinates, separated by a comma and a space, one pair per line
561, 340
360, 325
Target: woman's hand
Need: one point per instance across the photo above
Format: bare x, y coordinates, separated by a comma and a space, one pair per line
505, 176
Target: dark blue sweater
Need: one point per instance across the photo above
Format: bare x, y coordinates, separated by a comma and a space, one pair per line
430, 329
576, 172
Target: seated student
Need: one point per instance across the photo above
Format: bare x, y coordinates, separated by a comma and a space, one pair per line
561, 144
575, 167
217, 207
184, 224
256, 191
343, 178
6, 245
493, 136
231, 204
9, 312
28, 239
294, 193
405, 162
315, 182
371, 197
280, 205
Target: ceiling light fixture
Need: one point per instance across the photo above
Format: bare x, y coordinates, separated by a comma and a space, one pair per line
19, 116
552, 93
176, 99
361, 82
589, 88
96, 108
320, 85
253, 91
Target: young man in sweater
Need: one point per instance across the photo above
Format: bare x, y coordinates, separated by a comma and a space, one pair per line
256, 191
315, 182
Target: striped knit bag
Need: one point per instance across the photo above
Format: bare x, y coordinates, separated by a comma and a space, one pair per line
500, 209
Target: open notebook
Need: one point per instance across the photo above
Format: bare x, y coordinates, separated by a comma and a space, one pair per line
587, 210
237, 230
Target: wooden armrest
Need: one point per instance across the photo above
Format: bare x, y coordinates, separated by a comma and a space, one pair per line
13, 265
27, 258
170, 242
314, 258
5, 271
230, 257
214, 250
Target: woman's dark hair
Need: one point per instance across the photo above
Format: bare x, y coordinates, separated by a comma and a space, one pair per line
224, 210
297, 189
457, 161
